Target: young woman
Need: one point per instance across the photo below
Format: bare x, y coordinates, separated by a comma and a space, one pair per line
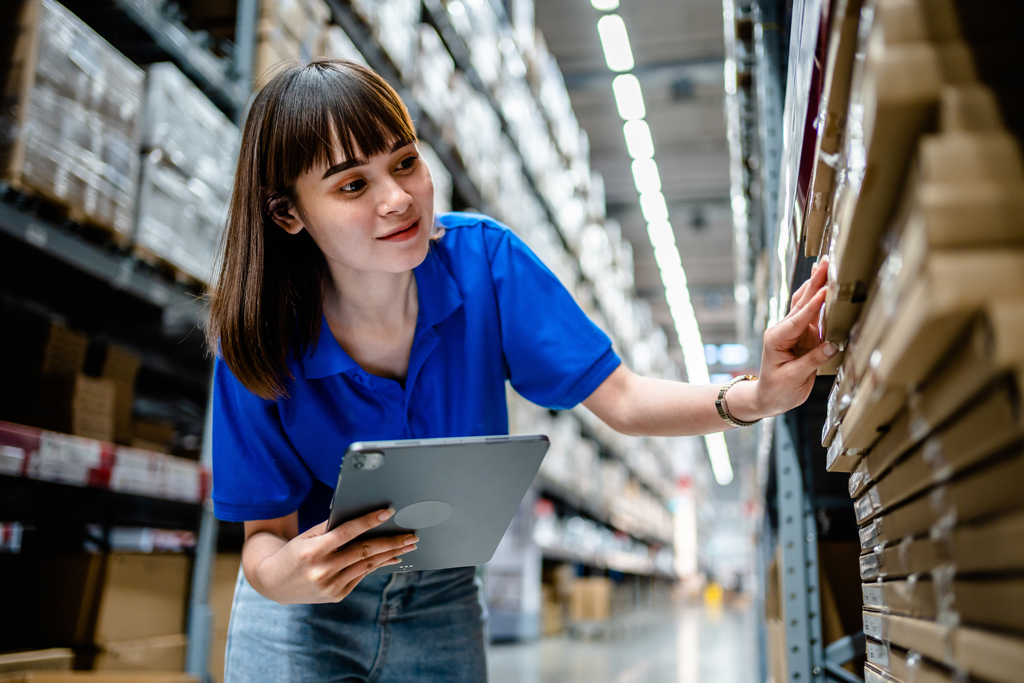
346, 310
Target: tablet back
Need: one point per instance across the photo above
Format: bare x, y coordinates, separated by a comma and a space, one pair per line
457, 495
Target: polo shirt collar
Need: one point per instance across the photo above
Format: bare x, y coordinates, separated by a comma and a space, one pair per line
438, 295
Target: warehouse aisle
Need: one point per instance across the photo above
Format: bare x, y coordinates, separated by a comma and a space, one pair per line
695, 645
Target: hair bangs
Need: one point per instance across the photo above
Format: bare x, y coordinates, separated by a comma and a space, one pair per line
325, 106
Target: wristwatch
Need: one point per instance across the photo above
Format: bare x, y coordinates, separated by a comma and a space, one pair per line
723, 407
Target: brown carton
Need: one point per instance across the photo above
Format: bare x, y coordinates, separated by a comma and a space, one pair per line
55, 595
991, 490
994, 546
997, 602
981, 432
160, 653
992, 347
991, 656
73, 404
53, 659
144, 596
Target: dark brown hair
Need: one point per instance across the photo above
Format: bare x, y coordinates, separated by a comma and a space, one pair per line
267, 301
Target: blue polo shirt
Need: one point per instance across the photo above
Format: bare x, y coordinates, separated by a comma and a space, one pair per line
489, 312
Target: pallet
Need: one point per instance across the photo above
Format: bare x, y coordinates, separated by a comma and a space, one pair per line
56, 210
167, 269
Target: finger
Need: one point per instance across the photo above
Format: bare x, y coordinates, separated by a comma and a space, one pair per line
357, 552
797, 298
810, 286
791, 329
815, 358
356, 527
356, 572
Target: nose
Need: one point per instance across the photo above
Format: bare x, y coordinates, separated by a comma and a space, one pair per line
392, 198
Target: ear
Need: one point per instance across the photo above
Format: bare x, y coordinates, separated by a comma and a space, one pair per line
282, 211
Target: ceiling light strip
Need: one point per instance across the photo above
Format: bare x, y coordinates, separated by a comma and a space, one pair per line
640, 144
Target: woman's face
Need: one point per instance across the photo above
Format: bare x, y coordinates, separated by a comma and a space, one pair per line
371, 214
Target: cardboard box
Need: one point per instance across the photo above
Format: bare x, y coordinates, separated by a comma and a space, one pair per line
222, 590
991, 347
552, 618
53, 659
590, 599
144, 596
63, 352
998, 603
939, 307
73, 404
993, 546
988, 426
161, 653
78, 119
215, 664
898, 90
954, 286
992, 656
56, 598
838, 71
97, 677
896, 665
992, 490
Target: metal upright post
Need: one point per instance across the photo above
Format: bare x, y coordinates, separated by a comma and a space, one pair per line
200, 617
246, 17
801, 602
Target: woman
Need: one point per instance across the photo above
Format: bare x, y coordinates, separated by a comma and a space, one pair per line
347, 311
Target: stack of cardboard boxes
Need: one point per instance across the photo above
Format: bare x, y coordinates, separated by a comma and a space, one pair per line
113, 612
190, 150
75, 107
926, 293
289, 30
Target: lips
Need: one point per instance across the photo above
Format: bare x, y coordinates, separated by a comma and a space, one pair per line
403, 231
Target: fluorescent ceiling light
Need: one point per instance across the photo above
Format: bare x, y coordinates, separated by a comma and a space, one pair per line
677, 294
646, 176
615, 42
719, 454
653, 206
638, 139
661, 235
605, 5
628, 97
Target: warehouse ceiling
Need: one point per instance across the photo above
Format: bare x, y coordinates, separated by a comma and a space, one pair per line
679, 53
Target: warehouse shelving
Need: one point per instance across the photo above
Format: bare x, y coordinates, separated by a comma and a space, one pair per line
120, 271
802, 505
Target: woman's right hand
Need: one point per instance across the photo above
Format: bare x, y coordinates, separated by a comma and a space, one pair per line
310, 568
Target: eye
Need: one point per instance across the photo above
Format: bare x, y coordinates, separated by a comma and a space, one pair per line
353, 187
408, 163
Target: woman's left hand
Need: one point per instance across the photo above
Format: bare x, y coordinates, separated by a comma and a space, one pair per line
793, 350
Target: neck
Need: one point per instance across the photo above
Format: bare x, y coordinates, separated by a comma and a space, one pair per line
361, 298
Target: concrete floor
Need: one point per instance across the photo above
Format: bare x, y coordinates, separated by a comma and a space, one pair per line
694, 645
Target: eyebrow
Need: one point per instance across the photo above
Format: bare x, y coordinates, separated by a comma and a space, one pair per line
352, 163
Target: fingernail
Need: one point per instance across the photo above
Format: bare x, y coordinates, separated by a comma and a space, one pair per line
386, 515
409, 549
831, 349
412, 539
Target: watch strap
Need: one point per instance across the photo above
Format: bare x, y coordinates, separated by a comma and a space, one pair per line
723, 407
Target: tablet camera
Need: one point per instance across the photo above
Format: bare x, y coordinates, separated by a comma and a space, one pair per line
369, 460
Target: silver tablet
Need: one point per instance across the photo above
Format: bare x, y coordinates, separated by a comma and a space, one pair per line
457, 495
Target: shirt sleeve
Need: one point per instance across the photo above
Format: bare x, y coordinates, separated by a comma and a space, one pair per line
257, 474
556, 355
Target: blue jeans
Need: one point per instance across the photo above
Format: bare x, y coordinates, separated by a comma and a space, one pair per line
394, 628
